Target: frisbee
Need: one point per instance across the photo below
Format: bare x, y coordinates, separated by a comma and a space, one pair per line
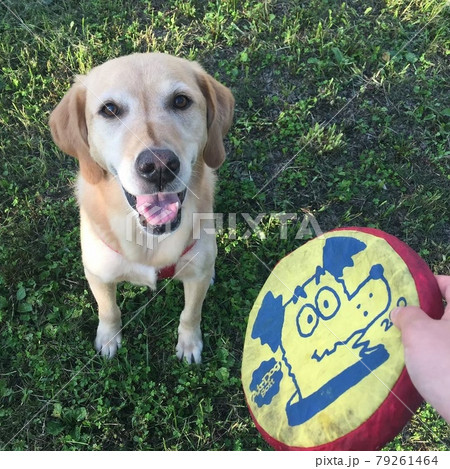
323, 366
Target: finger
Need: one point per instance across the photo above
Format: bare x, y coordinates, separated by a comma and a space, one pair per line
444, 285
402, 316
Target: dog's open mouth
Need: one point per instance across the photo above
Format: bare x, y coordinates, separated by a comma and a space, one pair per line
159, 213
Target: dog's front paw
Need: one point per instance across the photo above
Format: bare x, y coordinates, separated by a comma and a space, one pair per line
108, 339
189, 345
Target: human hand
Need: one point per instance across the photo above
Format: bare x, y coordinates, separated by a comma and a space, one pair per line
426, 343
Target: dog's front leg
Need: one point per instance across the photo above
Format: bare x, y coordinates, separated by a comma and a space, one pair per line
190, 343
109, 331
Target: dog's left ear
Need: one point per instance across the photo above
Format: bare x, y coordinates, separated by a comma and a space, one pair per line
220, 108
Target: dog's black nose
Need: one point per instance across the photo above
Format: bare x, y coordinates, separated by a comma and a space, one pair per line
158, 166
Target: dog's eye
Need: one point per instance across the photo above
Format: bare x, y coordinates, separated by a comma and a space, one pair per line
181, 102
327, 303
307, 321
110, 110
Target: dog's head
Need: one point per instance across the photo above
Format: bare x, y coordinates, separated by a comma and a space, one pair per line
152, 121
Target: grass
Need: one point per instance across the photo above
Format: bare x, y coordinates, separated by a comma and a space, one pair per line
342, 111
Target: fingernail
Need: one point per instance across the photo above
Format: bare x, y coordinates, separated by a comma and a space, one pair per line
393, 313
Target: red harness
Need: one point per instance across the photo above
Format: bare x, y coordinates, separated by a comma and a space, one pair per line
164, 272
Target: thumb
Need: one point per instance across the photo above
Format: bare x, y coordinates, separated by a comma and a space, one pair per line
407, 314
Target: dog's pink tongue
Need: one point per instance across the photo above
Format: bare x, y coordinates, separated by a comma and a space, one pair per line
158, 209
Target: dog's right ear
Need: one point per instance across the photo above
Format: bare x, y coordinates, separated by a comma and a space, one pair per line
69, 131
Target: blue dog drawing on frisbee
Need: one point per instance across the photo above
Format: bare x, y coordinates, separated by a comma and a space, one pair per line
332, 312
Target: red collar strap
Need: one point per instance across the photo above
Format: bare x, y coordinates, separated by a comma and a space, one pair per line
169, 271
165, 272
